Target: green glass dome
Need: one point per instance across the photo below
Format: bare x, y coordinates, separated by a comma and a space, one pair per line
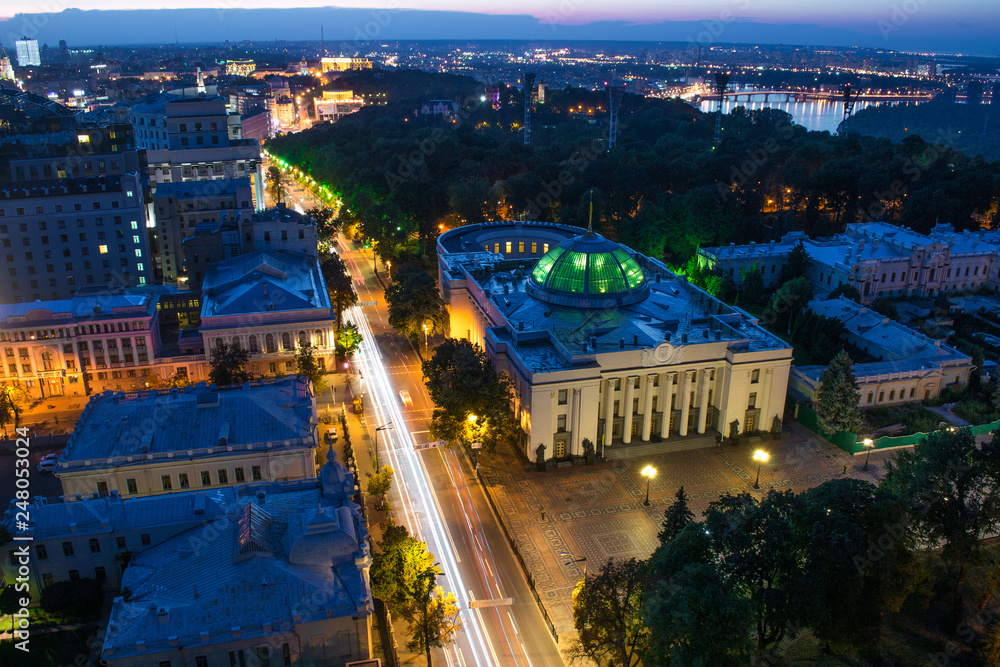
588, 271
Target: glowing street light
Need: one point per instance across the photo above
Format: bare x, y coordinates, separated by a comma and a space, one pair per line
869, 444
761, 457
649, 472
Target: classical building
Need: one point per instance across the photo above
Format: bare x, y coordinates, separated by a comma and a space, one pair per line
344, 64
151, 442
240, 67
876, 258
908, 367
269, 302
604, 344
181, 207
101, 339
282, 579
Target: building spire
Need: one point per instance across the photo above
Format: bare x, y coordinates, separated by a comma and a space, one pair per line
590, 220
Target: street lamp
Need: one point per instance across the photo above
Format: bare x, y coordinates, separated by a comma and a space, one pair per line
383, 427
869, 444
575, 559
425, 337
649, 472
761, 457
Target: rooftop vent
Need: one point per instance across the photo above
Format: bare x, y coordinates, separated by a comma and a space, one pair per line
621, 343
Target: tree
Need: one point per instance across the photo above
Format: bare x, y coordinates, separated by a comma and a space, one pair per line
788, 301
276, 184
80, 600
13, 401
753, 546
847, 588
675, 517
751, 286
838, 397
399, 567
10, 604
348, 339
976, 375
435, 621
229, 365
414, 301
850, 291
884, 306
950, 485
471, 399
796, 265
607, 613
380, 483
307, 366
339, 285
327, 225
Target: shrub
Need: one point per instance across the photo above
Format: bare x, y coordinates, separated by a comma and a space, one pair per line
81, 600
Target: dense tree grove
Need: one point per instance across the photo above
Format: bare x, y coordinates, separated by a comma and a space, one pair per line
663, 190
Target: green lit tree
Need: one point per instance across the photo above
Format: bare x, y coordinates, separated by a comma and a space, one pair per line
9, 604
838, 399
277, 184
348, 339
307, 366
229, 365
751, 286
380, 483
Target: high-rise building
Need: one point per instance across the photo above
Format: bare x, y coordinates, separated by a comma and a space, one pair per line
27, 52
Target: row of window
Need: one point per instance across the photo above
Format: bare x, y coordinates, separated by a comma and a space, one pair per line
253, 342
42, 225
93, 544
902, 394
86, 167
59, 208
222, 475
521, 245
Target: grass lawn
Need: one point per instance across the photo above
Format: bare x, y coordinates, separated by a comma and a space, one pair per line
68, 647
914, 417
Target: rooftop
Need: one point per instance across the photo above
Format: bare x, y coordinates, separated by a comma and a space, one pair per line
129, 429
106, 304
213, 188
264, 281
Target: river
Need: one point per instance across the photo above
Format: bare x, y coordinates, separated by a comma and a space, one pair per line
819, 115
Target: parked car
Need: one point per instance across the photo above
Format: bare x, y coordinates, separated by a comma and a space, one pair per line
48, 463
331, 436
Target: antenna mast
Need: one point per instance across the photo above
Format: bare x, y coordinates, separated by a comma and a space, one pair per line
529, 94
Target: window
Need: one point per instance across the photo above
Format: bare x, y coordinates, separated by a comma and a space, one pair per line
286, 654
182, 480
131, 486
520, 246
255, 473
562, 396
120, 543
165, 481
144, 539
47, 581
201, 661
871, 395
240, 477
913, 390
100, 574
74, 575
752, 401
41, 552
95, 545
67, 549
881, 396
223, 476
263, 657
561, 424
237, 655
892, 395
755, 376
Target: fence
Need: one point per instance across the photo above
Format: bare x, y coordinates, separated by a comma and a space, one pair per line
850, 443
520, 559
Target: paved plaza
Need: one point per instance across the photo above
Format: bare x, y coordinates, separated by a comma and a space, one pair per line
597, 512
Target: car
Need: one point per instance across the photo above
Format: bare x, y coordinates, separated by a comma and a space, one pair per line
405, 397
331, 436
48, 463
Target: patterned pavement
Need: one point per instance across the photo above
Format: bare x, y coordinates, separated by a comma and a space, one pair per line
597, 512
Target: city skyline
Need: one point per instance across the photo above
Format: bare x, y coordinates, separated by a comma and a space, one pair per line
957, 28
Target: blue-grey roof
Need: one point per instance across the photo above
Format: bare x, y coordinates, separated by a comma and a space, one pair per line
180, 189
264, 281
247, 573
129, 429
101, 305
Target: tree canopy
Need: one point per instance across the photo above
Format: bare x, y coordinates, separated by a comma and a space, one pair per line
229, 365
307, 366
339, 285
415, 303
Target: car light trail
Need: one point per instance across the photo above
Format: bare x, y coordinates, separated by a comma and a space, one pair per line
415, 492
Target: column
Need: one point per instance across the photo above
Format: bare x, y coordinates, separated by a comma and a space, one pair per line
647, 408
685, 395
609, 404
258, 187
627, 411
765, 402
667, 403
574, 443
703, 399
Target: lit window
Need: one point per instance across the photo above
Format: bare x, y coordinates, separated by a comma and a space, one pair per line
135, 225
138, 253
83, 138
103, 249
135, 239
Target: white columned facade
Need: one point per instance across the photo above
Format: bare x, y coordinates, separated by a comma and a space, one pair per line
629, 393
685, 395
609, 404
575, 436
703, 398
667, 403
647, 407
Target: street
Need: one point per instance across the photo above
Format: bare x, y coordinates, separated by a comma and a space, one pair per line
436, 493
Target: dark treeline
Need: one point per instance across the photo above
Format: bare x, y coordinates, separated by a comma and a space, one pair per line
664, 190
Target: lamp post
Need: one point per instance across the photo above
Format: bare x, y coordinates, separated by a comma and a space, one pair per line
869, 444
649, 472
425, 337
575, 559
383, 427
761, 457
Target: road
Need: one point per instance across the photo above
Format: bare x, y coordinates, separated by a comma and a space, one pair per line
438, 497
